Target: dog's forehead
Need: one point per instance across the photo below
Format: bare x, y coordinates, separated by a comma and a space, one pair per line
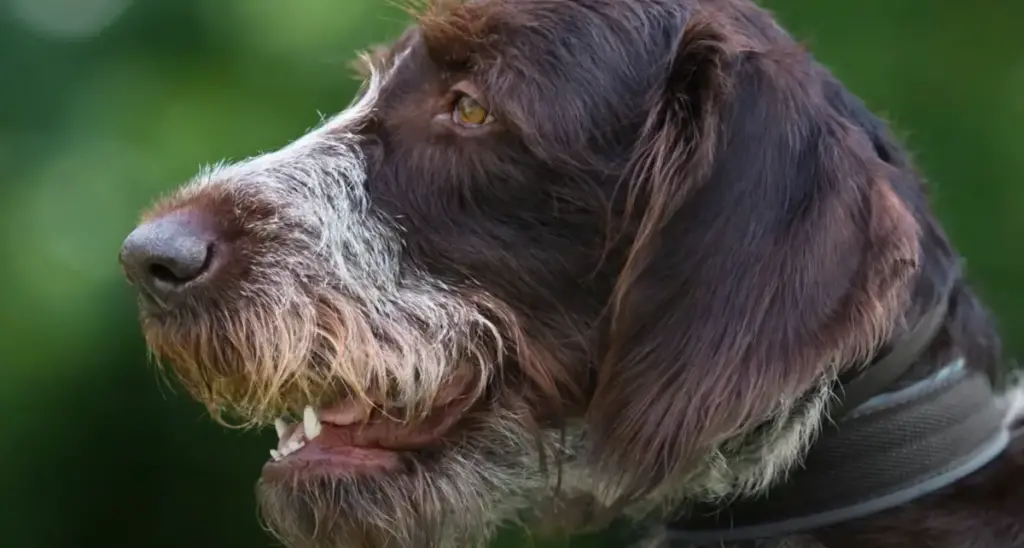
526, 30
581, 57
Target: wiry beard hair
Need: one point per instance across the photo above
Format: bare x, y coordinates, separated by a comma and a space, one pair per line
485, 479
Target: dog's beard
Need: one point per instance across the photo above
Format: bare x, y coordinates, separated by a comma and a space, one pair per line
454, 493
453, 496
272, 353
264, 358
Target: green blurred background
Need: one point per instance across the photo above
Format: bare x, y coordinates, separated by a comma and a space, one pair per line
106, 104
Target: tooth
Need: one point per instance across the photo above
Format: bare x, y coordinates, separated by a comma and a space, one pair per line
275, 454
281, 427
310, 423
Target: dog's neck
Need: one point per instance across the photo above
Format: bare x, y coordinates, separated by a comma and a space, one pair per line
918, 360
755, 461
882, 444
893, 449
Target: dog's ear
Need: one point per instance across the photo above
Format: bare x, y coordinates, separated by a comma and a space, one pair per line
767, 250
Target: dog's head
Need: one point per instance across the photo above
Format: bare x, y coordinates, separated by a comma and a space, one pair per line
622, 247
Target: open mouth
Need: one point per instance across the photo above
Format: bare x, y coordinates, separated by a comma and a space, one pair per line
343, 440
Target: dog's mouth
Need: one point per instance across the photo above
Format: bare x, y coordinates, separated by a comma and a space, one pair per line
347, 439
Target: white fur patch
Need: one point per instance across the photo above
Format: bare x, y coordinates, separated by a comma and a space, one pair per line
390, 328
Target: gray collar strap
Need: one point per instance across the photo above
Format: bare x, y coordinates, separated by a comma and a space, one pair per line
885, 452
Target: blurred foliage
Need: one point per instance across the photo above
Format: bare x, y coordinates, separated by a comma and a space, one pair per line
106, 104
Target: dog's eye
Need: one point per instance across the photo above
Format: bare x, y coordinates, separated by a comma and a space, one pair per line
469, 112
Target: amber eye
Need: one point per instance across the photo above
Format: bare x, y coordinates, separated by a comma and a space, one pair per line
469, 112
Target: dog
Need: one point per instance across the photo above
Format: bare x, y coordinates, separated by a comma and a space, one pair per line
599, 260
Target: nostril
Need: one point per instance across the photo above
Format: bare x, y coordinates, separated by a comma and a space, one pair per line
183, 266
164, 274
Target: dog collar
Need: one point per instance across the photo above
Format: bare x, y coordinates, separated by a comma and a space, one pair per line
880, 450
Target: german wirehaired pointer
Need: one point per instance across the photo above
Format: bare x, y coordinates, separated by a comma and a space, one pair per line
607, 261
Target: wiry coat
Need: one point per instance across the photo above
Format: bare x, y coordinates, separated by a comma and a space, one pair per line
644, 276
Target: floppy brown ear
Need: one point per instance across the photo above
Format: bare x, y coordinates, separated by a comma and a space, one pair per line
769, 250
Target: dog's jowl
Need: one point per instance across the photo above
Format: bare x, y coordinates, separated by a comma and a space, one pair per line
644, 254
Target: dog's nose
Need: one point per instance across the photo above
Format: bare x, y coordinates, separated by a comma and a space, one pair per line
168, 255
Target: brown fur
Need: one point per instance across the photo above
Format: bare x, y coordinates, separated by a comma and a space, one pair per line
679, 232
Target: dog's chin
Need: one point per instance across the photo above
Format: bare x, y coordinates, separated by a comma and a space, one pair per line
359, 497
452, 492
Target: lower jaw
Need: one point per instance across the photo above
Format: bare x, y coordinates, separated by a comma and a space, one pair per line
376, 498
449, 494
359, 497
